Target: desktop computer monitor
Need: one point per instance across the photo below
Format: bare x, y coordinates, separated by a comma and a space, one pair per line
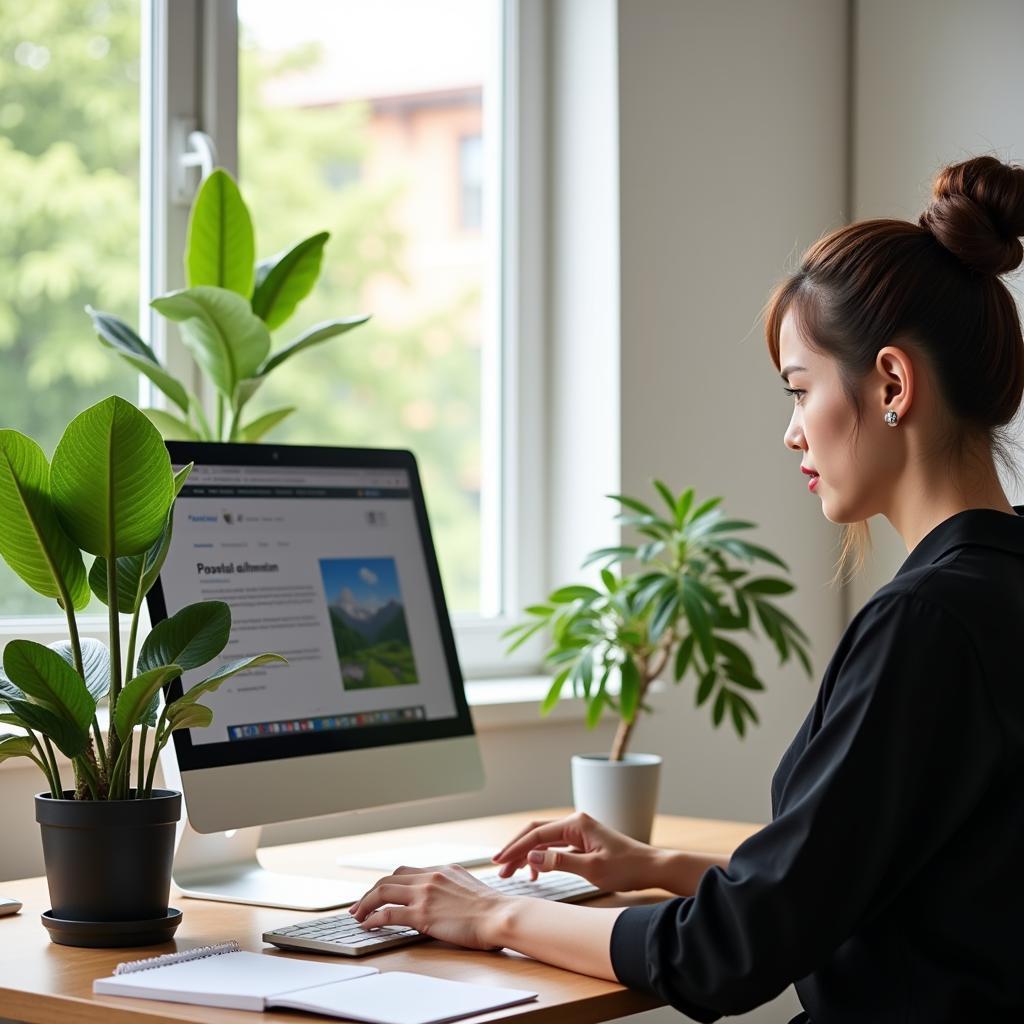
324, 556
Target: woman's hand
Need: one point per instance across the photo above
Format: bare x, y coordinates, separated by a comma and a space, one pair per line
444, 903
606, 858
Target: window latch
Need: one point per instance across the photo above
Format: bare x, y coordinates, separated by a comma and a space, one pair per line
191, 149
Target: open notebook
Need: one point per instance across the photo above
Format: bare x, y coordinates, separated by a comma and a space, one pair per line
224, 976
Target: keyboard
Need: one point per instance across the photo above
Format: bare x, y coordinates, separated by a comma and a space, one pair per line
344, 935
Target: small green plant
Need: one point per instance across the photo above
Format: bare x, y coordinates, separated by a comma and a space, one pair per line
674, 609
225, 317
109, 491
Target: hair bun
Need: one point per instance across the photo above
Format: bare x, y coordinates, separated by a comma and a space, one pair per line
977, 213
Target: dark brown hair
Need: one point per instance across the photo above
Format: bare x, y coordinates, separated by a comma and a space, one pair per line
934, 285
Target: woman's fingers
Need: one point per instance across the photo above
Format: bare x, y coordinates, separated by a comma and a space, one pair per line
522, 832
509, 867
391, 889
551, 832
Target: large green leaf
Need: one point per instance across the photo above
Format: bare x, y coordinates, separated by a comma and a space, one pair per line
314, 336
130, 567
111, 479
135, 700
70, 738
14, 746
171, 427
188, 716
226, 672
116, 334
8, 691
257, 428
284, 280
189, 638
32, 541
220, 249
95, 663
47, 679
220, 329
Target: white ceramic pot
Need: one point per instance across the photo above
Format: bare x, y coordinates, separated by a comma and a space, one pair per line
620, 794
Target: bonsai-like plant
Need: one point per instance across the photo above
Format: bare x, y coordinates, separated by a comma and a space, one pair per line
674, 609
108, 491
225, 317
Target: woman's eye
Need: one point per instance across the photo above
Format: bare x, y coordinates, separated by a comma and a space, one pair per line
796, 392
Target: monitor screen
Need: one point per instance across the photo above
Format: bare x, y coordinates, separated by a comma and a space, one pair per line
324, 556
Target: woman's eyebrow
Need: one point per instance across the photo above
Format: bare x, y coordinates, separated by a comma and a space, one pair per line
790, 369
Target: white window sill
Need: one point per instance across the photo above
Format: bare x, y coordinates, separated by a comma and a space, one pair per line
514, 702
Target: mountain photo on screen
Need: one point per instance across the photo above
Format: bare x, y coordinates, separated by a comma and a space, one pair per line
367, 613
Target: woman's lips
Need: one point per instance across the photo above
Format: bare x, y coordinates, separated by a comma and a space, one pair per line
813, 482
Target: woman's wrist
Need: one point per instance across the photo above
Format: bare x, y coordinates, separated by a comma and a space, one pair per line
503, 921
680, 872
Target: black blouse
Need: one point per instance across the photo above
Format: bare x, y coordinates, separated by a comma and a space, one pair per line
889, 885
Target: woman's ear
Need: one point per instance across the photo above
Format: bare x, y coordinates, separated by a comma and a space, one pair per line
896, 375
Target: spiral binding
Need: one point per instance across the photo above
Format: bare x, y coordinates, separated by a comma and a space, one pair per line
167, 959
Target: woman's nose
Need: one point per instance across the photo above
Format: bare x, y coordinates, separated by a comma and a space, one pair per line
793, 437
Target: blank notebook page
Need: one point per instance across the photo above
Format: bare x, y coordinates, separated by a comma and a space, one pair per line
401, 998
228, 979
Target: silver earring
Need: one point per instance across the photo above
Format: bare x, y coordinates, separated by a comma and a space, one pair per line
892, 417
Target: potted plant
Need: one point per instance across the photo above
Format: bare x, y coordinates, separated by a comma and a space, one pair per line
671, 613
225, 317
107, 843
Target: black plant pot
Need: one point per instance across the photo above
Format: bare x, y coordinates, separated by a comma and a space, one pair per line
108, 862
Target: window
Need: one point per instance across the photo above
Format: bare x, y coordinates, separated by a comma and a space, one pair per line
393, 126
471, 181
391, 87
69, 161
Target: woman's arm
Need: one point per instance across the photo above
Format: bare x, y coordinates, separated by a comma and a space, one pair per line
680, 872
578, 938
574, 937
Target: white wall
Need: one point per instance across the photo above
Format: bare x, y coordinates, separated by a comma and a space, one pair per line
935, 83
732, 160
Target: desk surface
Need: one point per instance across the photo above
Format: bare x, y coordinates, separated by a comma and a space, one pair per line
43, 982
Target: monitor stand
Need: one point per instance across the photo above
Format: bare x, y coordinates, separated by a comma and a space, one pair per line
224, 866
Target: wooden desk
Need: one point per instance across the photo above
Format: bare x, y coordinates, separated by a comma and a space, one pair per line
41, 982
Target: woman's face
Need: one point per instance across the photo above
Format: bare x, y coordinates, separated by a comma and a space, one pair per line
851, 469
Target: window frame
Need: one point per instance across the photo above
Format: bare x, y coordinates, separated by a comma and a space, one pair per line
189, 80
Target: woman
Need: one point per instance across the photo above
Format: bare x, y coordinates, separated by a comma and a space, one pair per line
888, 884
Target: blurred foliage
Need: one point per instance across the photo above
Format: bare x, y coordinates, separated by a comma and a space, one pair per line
417, 386
69, 220
69, 236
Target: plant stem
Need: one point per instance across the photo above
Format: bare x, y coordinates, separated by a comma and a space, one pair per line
647, 676
118, 785
101, 750
52, 758
47, 768
76, 643
233, 422
220, 417
129, 666
115, 649
89, 773
159, 737
139, 773
200, 418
